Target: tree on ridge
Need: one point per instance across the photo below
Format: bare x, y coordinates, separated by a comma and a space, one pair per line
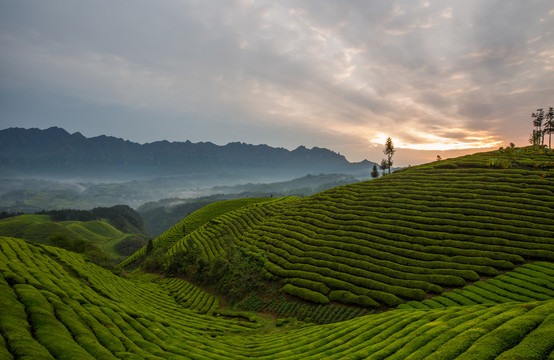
539, 118
538, 133
389, 152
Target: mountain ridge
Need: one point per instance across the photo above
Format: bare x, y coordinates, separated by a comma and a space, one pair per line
54, 151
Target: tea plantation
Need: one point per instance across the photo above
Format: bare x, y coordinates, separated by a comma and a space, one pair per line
449, 260
399, 238
55, 305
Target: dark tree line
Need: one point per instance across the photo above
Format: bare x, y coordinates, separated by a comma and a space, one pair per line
5, 214
122, 217
235, 274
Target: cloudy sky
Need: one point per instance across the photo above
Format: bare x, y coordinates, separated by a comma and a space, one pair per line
433, 75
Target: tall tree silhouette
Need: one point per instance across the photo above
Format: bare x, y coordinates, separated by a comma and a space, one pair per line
549, 125
389, 153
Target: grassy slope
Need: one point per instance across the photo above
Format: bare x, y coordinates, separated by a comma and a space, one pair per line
55, 305
398, 238
39, 228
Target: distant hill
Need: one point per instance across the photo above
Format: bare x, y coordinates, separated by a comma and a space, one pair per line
122, 217
117, 230
97, 239
57, 153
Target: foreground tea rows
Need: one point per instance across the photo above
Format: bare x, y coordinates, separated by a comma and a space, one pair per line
55, 305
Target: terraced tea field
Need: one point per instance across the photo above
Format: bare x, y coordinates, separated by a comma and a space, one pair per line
308, 312
530, 282
398, 238
53, 305
192, 223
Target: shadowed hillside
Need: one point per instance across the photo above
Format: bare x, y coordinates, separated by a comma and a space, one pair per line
191, 223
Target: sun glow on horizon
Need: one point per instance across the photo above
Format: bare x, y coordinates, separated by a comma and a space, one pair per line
425, 141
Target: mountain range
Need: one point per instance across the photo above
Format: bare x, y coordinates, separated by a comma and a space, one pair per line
55, 152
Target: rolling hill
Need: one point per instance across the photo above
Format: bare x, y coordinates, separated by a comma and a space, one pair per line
448, 260
399, 238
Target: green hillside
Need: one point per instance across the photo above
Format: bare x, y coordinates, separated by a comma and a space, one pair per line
32, 227
40, 228
399, 238
54, 305
529, 282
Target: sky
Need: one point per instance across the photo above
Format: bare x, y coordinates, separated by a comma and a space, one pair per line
439, 77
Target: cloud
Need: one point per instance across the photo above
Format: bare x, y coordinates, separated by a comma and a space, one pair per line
432, 75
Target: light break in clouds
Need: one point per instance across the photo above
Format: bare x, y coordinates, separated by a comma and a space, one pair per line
433, 75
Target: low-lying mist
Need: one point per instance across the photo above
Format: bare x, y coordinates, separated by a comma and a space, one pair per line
32, 195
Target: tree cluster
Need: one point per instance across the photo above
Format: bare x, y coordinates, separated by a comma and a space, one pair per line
233, 275
543, 123
6, 214
131, 244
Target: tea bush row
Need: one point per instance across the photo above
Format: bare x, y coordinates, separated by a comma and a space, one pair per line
308, 312
512, 286
189, 295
